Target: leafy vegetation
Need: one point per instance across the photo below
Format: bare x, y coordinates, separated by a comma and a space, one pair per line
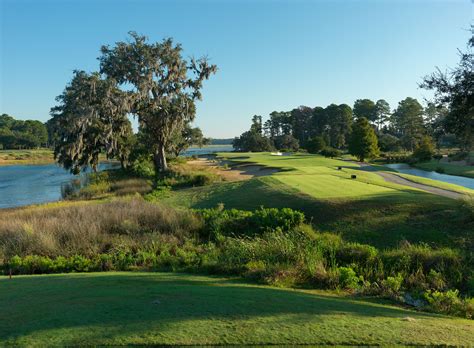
18, 134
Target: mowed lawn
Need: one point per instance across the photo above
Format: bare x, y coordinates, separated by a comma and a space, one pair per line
326, 178
167, 308
367, 209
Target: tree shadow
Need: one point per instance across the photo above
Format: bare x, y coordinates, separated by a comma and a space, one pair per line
132, 304
382, 220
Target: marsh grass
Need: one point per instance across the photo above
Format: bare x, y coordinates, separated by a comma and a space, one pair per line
90, 229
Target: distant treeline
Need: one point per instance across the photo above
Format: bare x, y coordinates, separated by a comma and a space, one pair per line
447, 120
222, 141
19, 134
400, 129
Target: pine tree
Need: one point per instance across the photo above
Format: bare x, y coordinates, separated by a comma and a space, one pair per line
363, 141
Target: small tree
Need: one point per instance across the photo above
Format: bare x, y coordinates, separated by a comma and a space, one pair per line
315, 144
252, 142
363, 141
183, 139
425, 149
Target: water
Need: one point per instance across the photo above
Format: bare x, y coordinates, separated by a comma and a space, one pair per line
33, 184
207, 149
451, 179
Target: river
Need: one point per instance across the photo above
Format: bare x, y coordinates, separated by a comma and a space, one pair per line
451, 179
33, 184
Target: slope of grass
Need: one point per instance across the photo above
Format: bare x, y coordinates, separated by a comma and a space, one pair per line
367, 209
156, 308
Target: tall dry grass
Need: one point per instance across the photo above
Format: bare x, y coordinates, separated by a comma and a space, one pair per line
89, 229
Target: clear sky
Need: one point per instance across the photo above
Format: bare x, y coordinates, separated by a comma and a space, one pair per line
272, 55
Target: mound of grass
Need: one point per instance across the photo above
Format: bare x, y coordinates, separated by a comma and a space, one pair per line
154, 308
380, 220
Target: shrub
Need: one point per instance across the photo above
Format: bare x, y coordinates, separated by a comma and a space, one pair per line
445, 302
392, 285
425, 150
233, 222
330, 152
348, 278
315, 145
143, 167
418, 260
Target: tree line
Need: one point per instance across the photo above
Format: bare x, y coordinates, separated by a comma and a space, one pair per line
448, 120
19, 134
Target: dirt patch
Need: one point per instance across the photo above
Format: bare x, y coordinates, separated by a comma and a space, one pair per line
237, 172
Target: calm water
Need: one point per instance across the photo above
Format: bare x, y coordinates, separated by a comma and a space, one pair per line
207, 149
32, 184
451, 179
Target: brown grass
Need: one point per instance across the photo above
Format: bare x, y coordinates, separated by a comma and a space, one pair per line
89, 229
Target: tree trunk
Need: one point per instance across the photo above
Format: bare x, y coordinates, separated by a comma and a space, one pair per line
159, 159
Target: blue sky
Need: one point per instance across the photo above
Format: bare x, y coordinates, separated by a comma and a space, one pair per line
272, 55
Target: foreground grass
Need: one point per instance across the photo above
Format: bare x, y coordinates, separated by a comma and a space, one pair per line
367, 210
448, 168
157, 308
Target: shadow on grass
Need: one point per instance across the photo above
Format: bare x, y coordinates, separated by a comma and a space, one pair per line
382, 220
132, 304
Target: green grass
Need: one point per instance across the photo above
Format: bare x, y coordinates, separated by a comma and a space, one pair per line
156, 308
452, 169
367, 210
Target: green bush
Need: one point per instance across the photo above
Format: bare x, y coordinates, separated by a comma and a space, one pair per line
348, 278
233, 222
425, 150
416, 261
315, 145
143, 167
330, 152
449, 302
392, 285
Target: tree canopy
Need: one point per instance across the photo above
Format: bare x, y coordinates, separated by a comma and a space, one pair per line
454, 90
363, 141
19, 134
91, 118
161, 86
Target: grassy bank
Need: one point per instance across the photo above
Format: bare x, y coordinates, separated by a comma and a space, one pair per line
155, 308
367, 209
447, 168
38, 156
